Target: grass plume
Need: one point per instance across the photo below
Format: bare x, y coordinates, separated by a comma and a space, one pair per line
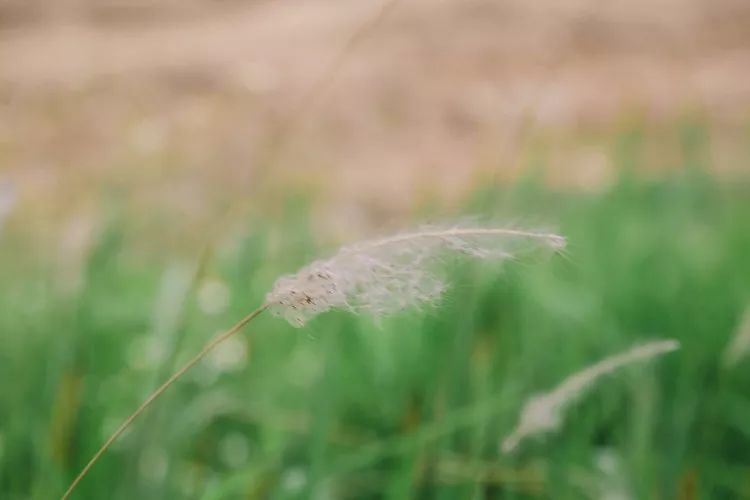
739, 345
545, 412
378, 276
389, 274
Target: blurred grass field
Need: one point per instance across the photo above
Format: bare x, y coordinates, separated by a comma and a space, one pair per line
163, 162
412, 406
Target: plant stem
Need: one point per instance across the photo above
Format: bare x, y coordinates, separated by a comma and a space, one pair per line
158, 392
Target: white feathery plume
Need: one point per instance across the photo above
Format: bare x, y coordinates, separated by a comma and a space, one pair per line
378, 276
544, 412
739, 345
393, 273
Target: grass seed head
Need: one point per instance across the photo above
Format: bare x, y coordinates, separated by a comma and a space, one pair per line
544, 413
389, 274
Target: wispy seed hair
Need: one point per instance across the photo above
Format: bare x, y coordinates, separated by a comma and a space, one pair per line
544, 412
739, 346
379, 276
389, 274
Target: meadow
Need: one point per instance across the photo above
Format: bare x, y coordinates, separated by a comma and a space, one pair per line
413, 405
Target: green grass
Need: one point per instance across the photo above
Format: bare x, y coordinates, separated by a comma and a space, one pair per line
412, 406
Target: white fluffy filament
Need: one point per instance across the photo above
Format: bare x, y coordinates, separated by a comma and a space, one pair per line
739, 346
393, 273
544, 412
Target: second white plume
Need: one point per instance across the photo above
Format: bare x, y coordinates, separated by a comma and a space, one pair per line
393, 273
545, 412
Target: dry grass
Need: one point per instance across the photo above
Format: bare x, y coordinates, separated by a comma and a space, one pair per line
380, 276
190, 95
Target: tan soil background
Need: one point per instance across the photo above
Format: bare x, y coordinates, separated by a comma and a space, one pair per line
374, 105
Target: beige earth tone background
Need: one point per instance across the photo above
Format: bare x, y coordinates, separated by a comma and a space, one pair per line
376, 106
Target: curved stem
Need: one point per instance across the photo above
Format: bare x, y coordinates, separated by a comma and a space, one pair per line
158, 392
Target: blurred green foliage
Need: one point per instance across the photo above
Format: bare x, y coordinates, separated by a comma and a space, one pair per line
412, 406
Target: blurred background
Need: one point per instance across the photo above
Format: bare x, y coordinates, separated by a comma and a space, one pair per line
162, 162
